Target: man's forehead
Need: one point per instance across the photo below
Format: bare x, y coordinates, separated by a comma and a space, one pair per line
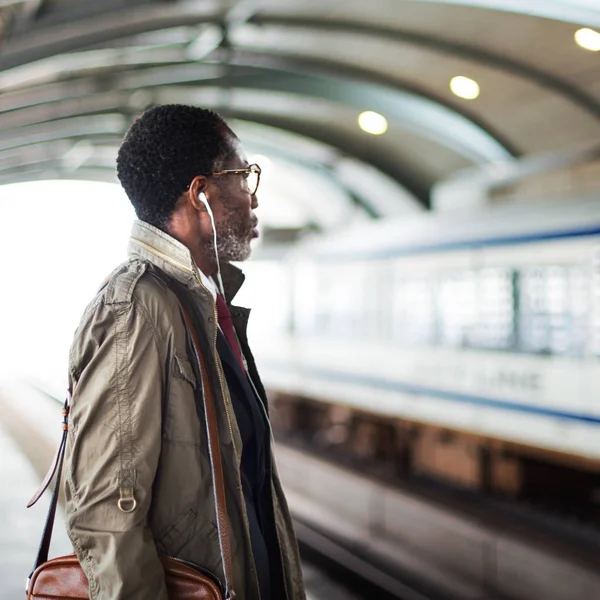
237, 158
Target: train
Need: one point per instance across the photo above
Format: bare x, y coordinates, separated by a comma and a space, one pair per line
463, 345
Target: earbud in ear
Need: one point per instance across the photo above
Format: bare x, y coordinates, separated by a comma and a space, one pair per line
202, 198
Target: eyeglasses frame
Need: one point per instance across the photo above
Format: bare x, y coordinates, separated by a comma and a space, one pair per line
253, 168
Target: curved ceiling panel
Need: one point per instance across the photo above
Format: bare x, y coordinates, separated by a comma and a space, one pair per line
420, 66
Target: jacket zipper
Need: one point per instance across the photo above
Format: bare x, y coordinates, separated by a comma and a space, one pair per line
272, 473
237, 456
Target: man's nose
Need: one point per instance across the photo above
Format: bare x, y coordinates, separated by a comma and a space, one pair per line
254, 203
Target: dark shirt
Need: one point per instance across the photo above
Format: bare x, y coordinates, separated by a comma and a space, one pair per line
256, 473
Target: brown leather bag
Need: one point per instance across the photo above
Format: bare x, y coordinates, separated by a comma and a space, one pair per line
63, 578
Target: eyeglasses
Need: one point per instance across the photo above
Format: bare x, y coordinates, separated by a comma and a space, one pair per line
251, 175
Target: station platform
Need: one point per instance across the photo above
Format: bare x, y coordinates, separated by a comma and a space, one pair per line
20, 527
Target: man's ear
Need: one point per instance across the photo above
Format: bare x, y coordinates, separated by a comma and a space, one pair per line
196, 193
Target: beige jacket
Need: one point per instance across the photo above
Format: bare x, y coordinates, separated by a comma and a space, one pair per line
128, 364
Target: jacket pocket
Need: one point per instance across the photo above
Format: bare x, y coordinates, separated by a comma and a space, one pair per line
182, 424
171, 540
183, 369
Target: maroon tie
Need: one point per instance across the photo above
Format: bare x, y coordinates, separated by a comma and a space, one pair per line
226, 325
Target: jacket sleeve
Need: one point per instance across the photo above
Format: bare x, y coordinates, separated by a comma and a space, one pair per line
113, 450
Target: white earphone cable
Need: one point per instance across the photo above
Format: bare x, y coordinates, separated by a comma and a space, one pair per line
202, 198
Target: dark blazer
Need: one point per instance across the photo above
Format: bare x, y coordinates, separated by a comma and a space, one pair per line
255, 467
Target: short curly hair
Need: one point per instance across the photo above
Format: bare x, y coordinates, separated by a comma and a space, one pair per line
164, 149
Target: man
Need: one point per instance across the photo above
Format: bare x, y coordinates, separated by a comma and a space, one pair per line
138, 479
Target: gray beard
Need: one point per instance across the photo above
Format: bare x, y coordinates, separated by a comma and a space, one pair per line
231, 248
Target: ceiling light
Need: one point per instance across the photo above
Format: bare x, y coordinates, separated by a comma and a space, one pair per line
588, 39
372, 122
464, 87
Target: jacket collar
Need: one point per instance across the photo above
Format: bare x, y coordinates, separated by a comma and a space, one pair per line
151, 244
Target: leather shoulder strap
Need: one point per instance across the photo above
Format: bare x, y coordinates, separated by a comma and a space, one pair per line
216, 463
212, 433
55, 467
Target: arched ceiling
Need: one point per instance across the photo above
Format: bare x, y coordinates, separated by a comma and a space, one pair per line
295, 75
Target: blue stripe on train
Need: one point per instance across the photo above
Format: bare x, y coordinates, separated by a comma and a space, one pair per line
418, 390
465, 244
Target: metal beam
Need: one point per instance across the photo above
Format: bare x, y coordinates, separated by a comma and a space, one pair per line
66, 107
72, 128
70, 65
55, 164
104, 28
51, 92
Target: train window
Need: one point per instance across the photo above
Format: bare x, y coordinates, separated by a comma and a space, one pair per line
553, 308
534, 317
495, 328
579, 308
457, 304
533, 327
413, 319
477, 308
541, 309
595, 345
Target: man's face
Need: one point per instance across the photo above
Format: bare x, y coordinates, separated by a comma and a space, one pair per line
232, 206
